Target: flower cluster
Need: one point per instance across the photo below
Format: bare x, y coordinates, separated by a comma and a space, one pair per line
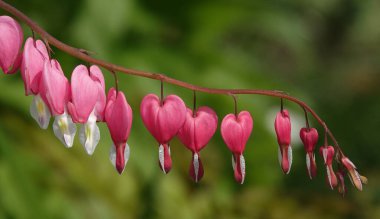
83, 101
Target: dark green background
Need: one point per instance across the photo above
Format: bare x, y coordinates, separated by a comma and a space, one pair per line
324, 52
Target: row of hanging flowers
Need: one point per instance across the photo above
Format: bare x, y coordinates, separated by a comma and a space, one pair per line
83, 101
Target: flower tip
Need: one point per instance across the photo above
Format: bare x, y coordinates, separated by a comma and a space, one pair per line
164, 159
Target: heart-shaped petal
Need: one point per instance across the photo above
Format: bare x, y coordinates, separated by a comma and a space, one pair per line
198, 128
11, 38
163, 120
34, 56
236, 131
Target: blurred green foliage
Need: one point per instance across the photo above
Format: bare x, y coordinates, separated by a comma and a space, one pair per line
324, 52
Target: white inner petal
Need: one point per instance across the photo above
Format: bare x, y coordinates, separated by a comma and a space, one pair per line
196, 166
89, 134
242, 168
324, 152
161, 157
308, 165
329, 176
64, 129
290, 157
113, 155
40, 112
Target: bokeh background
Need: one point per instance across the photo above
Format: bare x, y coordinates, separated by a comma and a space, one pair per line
324, 52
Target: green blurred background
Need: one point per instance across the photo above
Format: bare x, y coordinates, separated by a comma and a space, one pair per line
324, 52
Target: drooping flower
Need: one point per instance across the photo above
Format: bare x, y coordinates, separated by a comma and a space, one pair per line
33, 58
341, 185
55, 92
118, 116
235, 131
163, 119
283, 131
309, 137
196, 132
11, 38
87, 90
327, 153
353, 174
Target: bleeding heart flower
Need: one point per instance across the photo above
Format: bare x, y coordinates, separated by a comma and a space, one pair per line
283, 131
196, 132
163, 119
33, 58
341, 186
55, 92
355, 177
118, 116
309, 137
11, 38
85, 92
235, 132
327, 153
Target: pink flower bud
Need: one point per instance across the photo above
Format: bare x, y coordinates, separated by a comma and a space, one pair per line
235, 132
163, 120
195, 133
352, 173
309, 137
118, 116
328, 156
11, 38
283, 131
34, 56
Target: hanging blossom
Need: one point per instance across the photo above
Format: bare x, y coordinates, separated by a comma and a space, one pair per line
55, 91
196, 132
309, 137
283, 131
327, 153
11, 37
118, 116
33, 58
87, 104
163, 119
236, 130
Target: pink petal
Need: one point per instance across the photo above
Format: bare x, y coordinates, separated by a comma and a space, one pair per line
236, 131
54, 88
34, 56
283, 128
11, 38
84, 93
163, 122
118, 117
97, 75
309, 137
198, 130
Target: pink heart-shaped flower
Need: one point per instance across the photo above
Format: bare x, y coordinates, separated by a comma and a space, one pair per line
163, 119
195, 133
235, 132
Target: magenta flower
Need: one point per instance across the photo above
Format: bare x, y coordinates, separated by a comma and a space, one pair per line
327, 153
55, 92
235, 132
11, 38
118, 116
87, 90
355, 177
196, 132
283, 131
33, 58
163, 119
309, 137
